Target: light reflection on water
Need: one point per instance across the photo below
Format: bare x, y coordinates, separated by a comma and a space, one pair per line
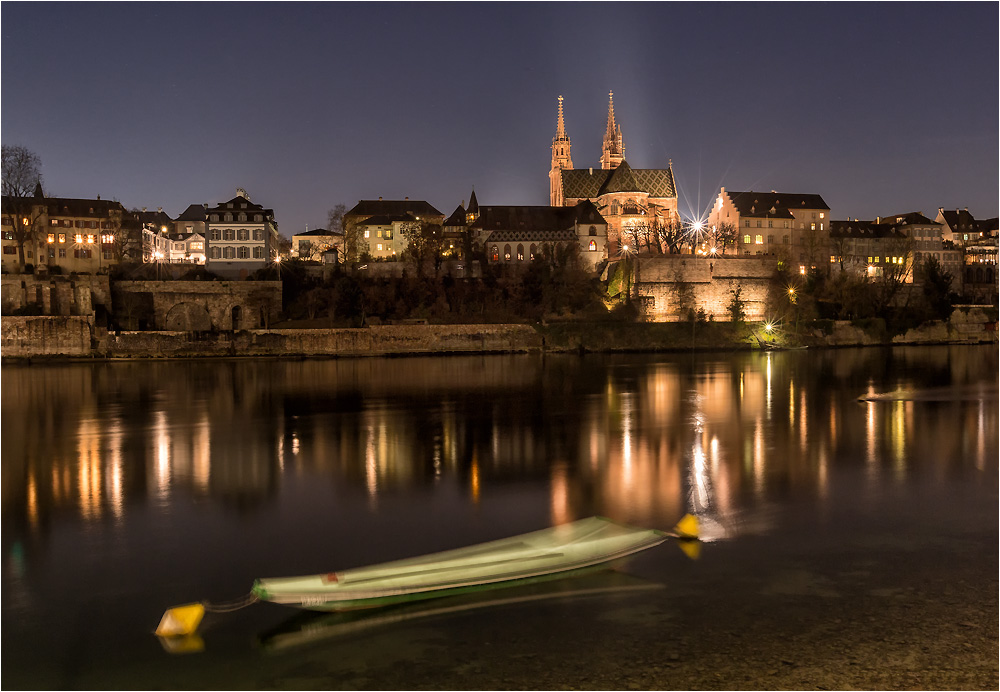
209, 472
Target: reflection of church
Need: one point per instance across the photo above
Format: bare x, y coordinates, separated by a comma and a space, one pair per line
625, 196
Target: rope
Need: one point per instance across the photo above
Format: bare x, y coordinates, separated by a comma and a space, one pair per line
230, 606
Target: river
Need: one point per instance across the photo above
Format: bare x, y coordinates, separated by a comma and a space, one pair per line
848, 500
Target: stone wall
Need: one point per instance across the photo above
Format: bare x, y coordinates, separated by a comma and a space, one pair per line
24, 337
369, 341
76, 295
667, 287
196, 305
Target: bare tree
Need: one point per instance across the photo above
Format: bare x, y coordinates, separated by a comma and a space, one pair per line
23, 210
424, 243
894, 272
672, 236
722, 236
355, 244
335, 218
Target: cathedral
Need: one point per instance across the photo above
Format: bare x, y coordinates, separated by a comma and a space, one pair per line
625, 196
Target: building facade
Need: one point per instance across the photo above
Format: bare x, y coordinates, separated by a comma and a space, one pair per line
242, 236
312, 245
75, 235
518, 234
793, 228
381, 223
623, 196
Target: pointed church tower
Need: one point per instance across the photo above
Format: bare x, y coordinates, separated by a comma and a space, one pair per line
614, 150
561, 159
472, 213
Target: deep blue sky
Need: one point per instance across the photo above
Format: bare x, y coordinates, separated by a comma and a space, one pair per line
881, 108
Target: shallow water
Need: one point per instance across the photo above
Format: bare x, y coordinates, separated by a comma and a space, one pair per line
842, 493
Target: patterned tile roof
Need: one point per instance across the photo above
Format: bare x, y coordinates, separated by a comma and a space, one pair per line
579, 183
531, 236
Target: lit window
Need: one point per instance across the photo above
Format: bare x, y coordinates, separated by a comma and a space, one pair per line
812, 227
90, 238
52, 237
833, 259
79, 238
758, 240
379, 247
746, 239
592, 247
802, 270
367, 233
62, 237
822, 215
197, 246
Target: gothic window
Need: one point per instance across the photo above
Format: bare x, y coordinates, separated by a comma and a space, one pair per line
593, 246
531, 252
520, 253
506, 253
495, 254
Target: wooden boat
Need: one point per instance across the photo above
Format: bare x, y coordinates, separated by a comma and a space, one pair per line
545, 554
308, 627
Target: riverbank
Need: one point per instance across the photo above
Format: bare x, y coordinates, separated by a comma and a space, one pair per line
70, 337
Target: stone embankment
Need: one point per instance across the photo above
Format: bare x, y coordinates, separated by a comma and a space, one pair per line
77, 337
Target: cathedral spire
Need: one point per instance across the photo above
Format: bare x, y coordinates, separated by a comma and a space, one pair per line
561, 158
613, 151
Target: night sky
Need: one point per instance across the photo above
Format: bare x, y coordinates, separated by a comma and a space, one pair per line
880, 108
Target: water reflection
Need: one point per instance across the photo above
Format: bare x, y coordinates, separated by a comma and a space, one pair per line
640, 439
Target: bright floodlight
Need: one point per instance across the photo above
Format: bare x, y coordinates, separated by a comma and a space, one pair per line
697, 225
768, 326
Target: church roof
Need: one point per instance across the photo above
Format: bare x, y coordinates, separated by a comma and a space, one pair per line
579, 183
773, 204
473, 204
620, 180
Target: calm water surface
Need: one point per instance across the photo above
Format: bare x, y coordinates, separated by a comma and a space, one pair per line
131, 487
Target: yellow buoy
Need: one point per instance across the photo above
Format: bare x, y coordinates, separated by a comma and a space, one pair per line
181, 620
687, 527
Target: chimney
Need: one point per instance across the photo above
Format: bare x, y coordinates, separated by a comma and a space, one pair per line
592, 170
143, 209
406, 199
159, 209
379, 199
98, 198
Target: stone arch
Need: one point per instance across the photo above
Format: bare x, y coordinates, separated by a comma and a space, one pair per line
188, 317
237, 315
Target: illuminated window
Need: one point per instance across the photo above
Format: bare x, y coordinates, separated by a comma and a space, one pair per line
746, 239
197, 246
520, 253
79, 238
90, 238
52, 237
833, 259
591, 247
506, 252
758, 240
822, 215
367, 233
62, 237
379, 247
812, 227
495, 253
